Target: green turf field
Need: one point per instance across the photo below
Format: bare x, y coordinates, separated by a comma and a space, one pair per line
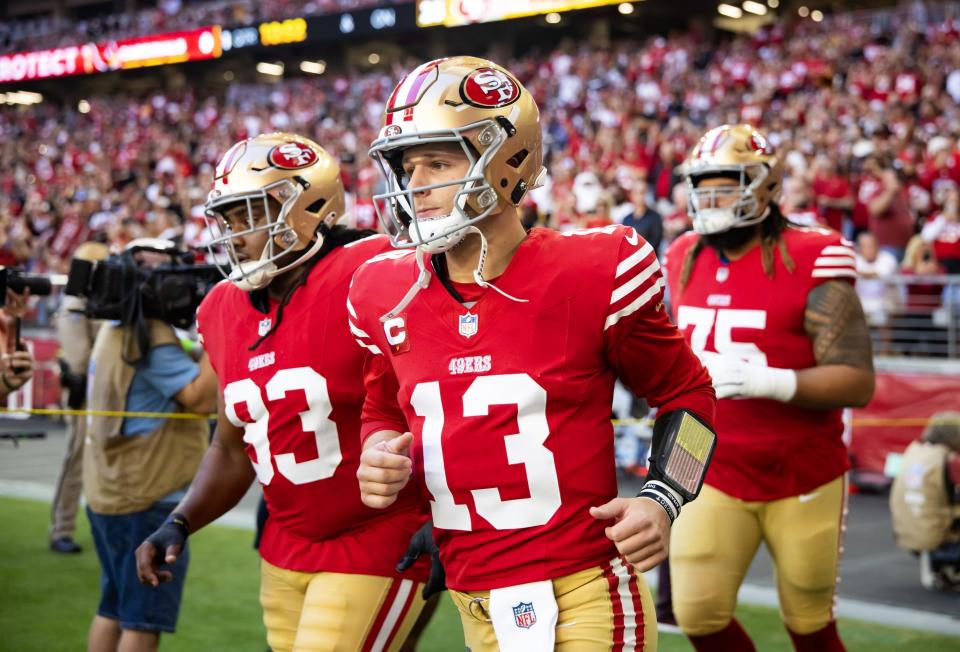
47, 600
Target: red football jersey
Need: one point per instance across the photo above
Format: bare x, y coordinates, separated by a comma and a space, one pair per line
298, 397
766, 449
510, 401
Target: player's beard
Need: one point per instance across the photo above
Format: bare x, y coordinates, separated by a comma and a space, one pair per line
732, 239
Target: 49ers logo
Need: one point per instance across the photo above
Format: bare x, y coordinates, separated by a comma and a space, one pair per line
489, 88
758, 143
292, 156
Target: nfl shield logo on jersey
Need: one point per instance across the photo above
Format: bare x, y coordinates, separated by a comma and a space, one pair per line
468, 325
524, 616
264, 326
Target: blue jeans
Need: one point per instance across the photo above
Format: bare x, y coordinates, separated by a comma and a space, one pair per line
122, 596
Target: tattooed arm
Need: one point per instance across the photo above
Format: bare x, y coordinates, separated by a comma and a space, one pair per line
836, 326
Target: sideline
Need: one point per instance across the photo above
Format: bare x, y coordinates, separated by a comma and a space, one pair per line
760, 596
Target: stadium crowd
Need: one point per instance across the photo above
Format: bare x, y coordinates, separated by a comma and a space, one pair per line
863, 108
168, 16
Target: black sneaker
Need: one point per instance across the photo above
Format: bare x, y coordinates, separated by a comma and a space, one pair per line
65, 546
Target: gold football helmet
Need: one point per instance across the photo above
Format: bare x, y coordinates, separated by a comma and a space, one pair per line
483, 108
301, 178
742, 153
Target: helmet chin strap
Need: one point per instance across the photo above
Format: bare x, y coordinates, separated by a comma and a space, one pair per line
422, 282
423, 278
253, 275
478, 272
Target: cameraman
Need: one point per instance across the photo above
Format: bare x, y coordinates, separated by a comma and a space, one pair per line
136, 469
76, 333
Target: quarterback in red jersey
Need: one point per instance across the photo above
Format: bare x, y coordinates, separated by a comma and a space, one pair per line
772, 310
500, 349
291, 393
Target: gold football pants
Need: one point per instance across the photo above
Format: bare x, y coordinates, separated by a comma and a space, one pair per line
336, 612
716, 537
602, 608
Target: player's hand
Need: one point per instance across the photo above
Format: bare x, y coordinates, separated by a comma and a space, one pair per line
641, 530
735, 377
422, 543
385, 468
162, 547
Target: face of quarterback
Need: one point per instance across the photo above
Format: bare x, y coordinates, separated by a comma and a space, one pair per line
425, 165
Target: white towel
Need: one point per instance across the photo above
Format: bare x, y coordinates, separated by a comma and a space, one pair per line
524, 617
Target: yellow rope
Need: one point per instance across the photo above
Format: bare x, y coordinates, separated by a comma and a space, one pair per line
108, 413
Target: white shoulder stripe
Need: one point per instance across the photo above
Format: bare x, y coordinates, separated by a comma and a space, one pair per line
356, 331
371, 347
635, 305
835, 272
634, 259
836, 249
635, 282
353, 313
827, 261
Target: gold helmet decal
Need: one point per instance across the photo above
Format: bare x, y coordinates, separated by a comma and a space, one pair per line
743, 154
292, 191
292, 155
489, 88
481, 107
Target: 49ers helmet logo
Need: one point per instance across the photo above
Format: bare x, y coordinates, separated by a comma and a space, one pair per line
291, 156
758, 143
489, 88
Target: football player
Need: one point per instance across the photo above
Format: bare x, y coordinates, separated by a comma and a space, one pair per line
291, 390
500, 348
772, 310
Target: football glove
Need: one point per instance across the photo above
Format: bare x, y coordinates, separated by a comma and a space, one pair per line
735, 377
173, 532
422, 543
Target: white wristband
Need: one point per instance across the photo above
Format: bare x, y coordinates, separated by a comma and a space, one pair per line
779, 384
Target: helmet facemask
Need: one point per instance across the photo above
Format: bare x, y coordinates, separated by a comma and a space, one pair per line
475, 200
708, 205
282, 240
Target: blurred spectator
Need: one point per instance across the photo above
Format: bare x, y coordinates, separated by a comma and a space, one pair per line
875, 268
798, 203
882, 208
942, 230
600, 215
923, 296
678, 221
832, 193
647, 222
941, 169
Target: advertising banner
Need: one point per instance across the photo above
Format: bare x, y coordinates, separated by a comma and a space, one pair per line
90, 58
